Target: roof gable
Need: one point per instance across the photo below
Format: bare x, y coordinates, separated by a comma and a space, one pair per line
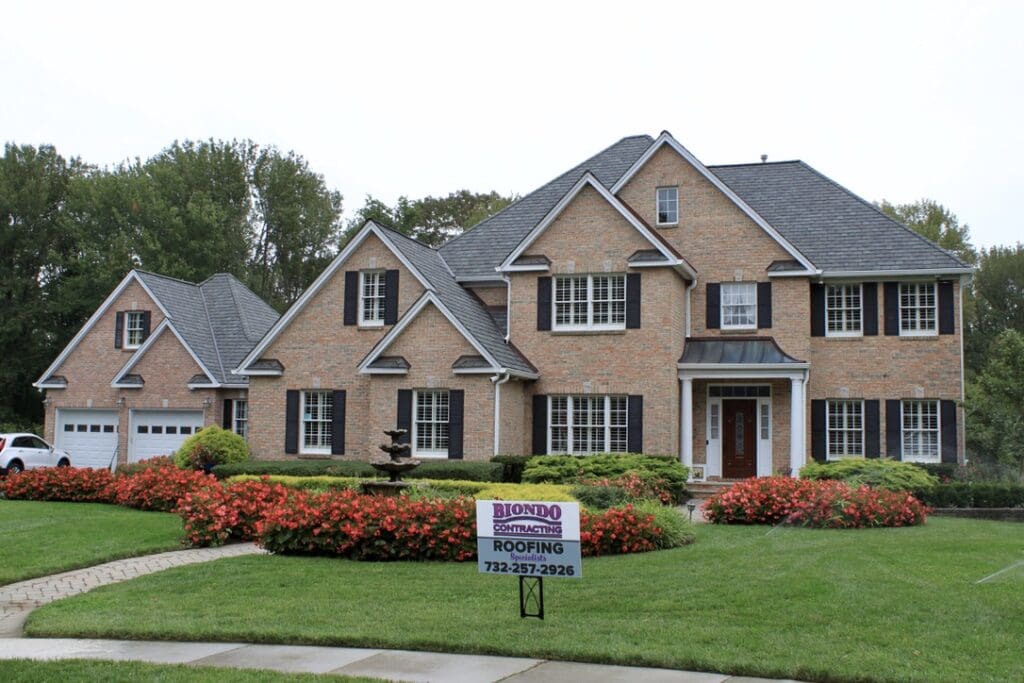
151, 342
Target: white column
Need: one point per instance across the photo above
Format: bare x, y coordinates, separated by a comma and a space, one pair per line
797, 425
686, 431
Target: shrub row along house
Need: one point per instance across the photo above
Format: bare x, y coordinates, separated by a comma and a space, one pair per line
744, 317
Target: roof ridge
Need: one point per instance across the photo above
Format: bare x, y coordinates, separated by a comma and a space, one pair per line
877, 210
755, 163
541, 187
213, 334
168, 277
398, 232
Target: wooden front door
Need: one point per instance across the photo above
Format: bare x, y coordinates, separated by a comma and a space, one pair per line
739, 439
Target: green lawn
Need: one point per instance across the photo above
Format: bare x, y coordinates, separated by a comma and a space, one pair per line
37, 539
25, 671
816, 605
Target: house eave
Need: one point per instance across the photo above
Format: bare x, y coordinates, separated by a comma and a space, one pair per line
905, 273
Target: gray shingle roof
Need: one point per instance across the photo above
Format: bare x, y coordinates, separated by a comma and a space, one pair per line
476, 252
831, 226
220, 319
390, 363
752, 350
468, 309
470, 363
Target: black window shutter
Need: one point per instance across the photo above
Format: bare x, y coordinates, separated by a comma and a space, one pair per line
338, 424
147, 319
118, 330
405, 414
764, 305
544, 303
872, 435
635, 424
818, 444
817, 309
633, 301
946, 325
225, 421
291, 421
456, 401
714, 307
390, 297
540, 425
869, 308
892, 308
893, 430
351, 313
947, 415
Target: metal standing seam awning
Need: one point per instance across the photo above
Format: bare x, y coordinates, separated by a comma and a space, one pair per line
757, 355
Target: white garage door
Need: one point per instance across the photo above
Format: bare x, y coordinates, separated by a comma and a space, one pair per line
161, 432
89, 436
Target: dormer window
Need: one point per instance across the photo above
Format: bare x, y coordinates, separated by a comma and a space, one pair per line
668, 206
134, 329
371, 299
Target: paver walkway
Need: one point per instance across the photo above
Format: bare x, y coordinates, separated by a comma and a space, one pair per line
18, 599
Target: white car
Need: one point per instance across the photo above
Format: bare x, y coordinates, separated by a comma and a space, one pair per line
19, 452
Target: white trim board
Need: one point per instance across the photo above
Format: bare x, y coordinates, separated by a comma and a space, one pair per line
588, 179
95, 318
666, 139
285, 320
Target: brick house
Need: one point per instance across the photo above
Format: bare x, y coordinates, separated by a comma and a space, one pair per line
742, 317
151, 366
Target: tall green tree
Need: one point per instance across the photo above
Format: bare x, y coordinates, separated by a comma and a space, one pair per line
995, 403
998, 297
933, 220
432, 220
33, 248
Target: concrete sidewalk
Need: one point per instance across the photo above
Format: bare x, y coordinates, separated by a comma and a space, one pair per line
394, 665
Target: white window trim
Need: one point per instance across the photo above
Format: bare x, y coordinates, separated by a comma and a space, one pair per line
303, 448
363, 322
828, 430
235, 419
721, 307
657, 205
569, 426
845, 333
938, 432
436, 453
590, 325
127, 326
899, 306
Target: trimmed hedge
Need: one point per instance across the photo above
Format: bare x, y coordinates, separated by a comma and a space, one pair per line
514, 466
652, 473
966, 494
880, 473
428, 469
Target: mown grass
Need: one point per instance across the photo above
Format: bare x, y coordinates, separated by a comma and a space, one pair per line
39, 538
28, 671
886, 604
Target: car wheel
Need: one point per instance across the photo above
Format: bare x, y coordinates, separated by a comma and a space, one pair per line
63, 462
15, 466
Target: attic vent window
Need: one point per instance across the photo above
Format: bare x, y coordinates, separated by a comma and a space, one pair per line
668, 205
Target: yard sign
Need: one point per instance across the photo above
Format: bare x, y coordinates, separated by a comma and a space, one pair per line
528, 538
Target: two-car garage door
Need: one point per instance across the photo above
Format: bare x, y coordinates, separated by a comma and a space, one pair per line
160, 432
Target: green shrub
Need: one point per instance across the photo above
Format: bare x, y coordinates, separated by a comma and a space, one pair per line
600, 497
676, 531
429, 469
514, 466
553, 492
874, 472
656, 472
219, 446
457, 469
319, 484
968, 494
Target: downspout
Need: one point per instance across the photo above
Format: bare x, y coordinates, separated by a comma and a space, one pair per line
508, 306
689, 289
498, 380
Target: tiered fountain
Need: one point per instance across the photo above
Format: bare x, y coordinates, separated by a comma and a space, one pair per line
398, 461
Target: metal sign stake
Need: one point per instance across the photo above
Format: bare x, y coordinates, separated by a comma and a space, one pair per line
531, 595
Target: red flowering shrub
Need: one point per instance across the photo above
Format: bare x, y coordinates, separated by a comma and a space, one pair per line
820, 504
618, 530
159, 488
74, 484
213, 515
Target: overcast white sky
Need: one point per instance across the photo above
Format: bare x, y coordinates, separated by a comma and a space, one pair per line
894, 100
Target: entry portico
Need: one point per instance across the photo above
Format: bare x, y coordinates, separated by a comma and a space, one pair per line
733, 399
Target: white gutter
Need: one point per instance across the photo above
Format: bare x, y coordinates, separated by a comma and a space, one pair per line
497, 409
894, 273
689, 300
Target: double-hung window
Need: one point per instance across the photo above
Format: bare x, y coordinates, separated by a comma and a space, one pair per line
587, 424
921, 431
134, 329
240, 417
430, 426
739, 305
668, 205
845, 429
918, 311
843, 311
590, 302
371, 298
317, 415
